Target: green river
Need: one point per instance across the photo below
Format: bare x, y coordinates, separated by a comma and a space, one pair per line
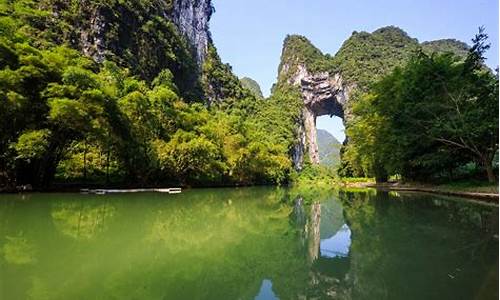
247, 243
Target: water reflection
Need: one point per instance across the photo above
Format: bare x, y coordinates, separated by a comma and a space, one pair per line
81, 219
338, 244
256, 243
266, 291
19, 250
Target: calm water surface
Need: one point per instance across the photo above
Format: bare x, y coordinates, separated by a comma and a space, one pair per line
249, 243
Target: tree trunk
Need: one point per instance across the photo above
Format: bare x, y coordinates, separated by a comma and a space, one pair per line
491, 175
489, 169
85, 160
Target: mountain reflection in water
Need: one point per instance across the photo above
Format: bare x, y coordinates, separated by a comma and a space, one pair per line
338, 244
247, 243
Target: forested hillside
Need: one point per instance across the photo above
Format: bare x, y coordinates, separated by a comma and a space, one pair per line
137, 109
434, 118
418, 111
134, 93
253, 86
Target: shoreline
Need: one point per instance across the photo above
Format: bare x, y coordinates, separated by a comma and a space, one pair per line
433, 189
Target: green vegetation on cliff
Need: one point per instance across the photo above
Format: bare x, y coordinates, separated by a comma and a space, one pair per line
70, 117
365, 57
133, 34
421, 111
298, 50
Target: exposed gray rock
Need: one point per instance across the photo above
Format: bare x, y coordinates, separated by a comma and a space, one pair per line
192, 18
93, 40
323, 94
299, 148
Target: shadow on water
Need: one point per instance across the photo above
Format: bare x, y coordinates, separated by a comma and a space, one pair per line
249, 243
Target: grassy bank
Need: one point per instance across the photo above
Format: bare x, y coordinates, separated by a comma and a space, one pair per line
471, 188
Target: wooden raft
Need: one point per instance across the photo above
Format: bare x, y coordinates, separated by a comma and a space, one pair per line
113, 191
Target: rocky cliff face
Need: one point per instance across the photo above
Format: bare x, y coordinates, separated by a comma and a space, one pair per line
326, 83
192, 17
143, 36
322, 94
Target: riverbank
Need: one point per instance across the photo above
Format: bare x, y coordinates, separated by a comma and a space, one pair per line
469, 189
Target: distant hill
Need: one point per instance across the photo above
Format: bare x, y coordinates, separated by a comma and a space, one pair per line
329, 148
446, 45
253, 86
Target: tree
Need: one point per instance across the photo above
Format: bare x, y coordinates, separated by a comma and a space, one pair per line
434, 114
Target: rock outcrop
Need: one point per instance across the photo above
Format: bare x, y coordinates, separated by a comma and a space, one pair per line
92, 41
326, 82
322, 94
192, 17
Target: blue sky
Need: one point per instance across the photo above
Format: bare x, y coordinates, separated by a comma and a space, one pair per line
249, 34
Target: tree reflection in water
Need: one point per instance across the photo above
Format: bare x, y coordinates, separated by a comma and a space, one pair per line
247, 243
379, 245
81, 219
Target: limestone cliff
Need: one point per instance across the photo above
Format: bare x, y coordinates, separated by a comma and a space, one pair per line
327, 83
144, 36
192, 17
322, 94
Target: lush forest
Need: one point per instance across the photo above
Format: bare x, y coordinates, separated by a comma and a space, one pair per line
139, 109
434, 118
424, 112
67, 118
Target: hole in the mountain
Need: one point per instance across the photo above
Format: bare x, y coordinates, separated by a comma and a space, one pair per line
333, 125
330, 137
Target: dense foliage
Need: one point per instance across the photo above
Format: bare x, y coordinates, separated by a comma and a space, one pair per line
446, 45
68, 117
219, 82
428, 119
133, 34
127, 102
366, 57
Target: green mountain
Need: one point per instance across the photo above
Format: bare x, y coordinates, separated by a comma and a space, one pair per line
129, 92
298, 50
364, 57
134, 92
253, 86
328, 147
325, 83
446, 45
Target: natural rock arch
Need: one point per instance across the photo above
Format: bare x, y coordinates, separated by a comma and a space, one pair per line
322, 94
